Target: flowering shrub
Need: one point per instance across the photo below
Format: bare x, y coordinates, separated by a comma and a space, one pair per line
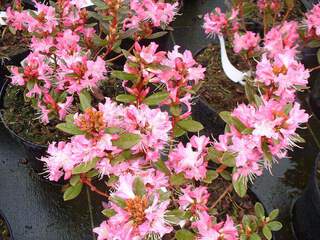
67, 52
156, 184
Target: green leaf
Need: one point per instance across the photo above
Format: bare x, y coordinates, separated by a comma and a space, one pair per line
74, 180
157, 35
275, 226
175, 110
100, 4
125, 98
127, 140
161, 166
243, 237
259, 210
72, 192
274, 214
99, 42
240, 186
267, 232
124, 76
113, 130
318, 55
266, 152
119, 201
85, 99
228, 159
214, 155
313, 44
175, 216
69, 118
190, 125
250, 92
108, 212
125, 155
85, 167
177, 179
254, 236
226, 116
211, 175
184, 234
178, 131
138, 187
112, 179
156, 98
226, 175
92, 173
69, 128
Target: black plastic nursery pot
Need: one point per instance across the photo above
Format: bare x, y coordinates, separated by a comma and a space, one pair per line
314, 96
306, 209
33, 151
5, 229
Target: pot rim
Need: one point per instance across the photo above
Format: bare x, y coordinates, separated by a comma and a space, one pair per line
7, 224
2, 93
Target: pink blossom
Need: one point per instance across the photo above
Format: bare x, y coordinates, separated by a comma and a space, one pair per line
44, 113
215, 22
65, 107
157, 13
195, 198
59, 161
16, 19
45, 19
207, 230
246, 42
189, 161
313, 20
281, 38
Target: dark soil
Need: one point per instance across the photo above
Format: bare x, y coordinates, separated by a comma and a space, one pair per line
4, 230
23, 119
217, 89
231, 204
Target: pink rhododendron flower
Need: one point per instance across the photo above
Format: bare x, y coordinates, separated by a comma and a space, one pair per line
156, 12
65, 107
215, 22
194, 198
16, 19
190, 159
313, 20
207, 230
246, 42
44, 20
281, 38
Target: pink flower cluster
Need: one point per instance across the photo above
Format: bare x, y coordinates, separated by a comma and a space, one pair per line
144, 215
249, 41
60, 62
151, 125
190, 159
156, 13
313, 20
269, 126
179, 72
216, 23
208, 230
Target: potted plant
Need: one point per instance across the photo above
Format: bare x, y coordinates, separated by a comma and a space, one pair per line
70, 57
243, 28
